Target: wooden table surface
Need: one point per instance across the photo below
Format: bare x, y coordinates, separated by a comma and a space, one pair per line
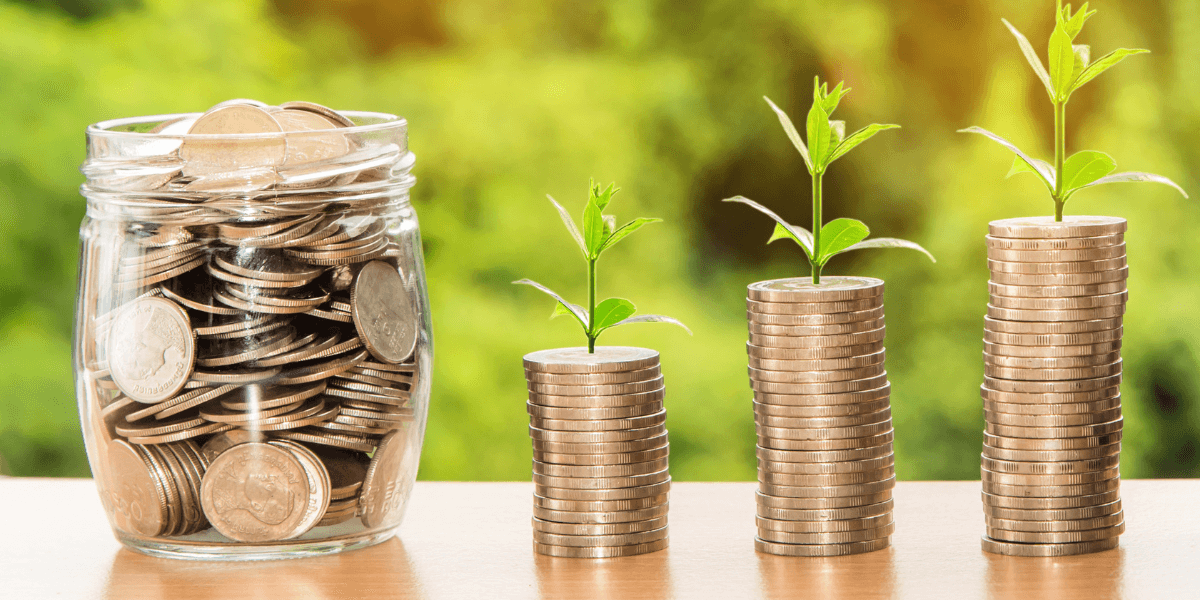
472, 540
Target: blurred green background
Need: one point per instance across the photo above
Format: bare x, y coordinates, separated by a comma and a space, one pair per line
511, 100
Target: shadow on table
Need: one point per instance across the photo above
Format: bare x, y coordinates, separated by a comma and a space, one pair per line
645, 576
380, 571
1094, 576
855, 577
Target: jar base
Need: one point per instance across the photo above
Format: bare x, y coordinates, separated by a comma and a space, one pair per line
253, 552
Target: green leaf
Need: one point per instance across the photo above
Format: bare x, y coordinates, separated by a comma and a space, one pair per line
1042, 168
610, 223
1105, 63
1135, 176
653, 319
593, 227
1085, 167
857, 138
792, 134
612, 311
839, 234
890, 243
1020, 166
570, 223
560, 310
819, 135
1062, 63
829, 100
1032, 57
625, 230
603, 197
1083, 56
1073, 24
799, 234
579, 312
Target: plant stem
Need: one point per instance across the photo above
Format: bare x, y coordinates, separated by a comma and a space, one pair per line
591, 306
816, 225
1060, 157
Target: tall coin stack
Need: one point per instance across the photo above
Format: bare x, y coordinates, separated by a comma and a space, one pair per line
599, 452
1051, 391
823, 416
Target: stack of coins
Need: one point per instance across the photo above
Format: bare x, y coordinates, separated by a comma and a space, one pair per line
233, 353
1051, 391
823, 416
599, 452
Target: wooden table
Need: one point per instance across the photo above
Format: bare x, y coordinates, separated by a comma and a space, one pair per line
472, 540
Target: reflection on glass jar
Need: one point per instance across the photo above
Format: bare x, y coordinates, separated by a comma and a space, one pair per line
252, 335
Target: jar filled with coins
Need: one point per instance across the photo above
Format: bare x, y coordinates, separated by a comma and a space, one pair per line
252, 335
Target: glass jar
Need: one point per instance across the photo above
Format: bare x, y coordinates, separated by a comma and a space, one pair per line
252, 336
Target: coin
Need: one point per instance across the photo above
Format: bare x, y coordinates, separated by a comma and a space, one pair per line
383, 312
657, 497
1113, 434
824, 422
138, 502
1052, 491
593, 541
825, 433
601, 447
383, 491
1069, 303
825, 479
1059, 244
1073, 226
593, 529
1050, 479
1050, 351
597, 402
1045, 268
650, 420
618, 412
818, 353
1074, 431
1051, 503
602, 459
824, 456
255, 492
837, 387
832, 364
1052, 421
1050, 398
601, 483
602, 516
606, 359
830, 399
827, 514
1044, 374
827, 491
1064, 514
782, 549
813, 330
226, 440
1053, 455
1087, 314
1061, 279
1069, 339
870, 314
616, 389
817, 468
1063, 362
640, 375
205, 154
1051, 387
1030, 290
840, 526
602, 437
819, 341
151, 349
599, 551
816, 376
581, 494
1056, 537
821, 502
842, 537
833, 444
802, 289
1057, 526
1022, 549
762, 410
1051, 256
319, 485
603, 471
813, 308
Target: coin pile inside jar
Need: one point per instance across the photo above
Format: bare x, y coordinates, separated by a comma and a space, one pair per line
256, 372
599, 452
823, 416
1051, 391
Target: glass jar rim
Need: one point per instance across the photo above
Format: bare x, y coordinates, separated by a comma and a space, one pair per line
105, 129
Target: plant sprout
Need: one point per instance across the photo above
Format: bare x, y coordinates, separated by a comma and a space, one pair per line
827, 142
1070, 68
600, 232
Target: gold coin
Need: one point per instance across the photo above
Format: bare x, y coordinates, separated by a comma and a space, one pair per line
1019, 374
1042, 421
821, 468
825, 433
1072, 431
830, 364
824, 456
839, 526
585, 505
870, 314
816, 376
818, 412
1029, 290
1051, 351
1024, 479
589, 437
597, 402
1044, 444
825, 479
812, 330
647, 374
616, 389
821, 502
601, 483
1081, 244
827, 491
823, 400
1047, 410
825, 422
581, 414
1061, 279
1056, 537
826, 514
1052, 491
1051, 398
593, 529
820, 353
1102, 451
577, 494
802, 289
1066, 339
835, 387
813, 308
767, 547
1062, 362
604, 471
1049, 268
1051, 387
1056, 526
1064, 514
594, 541
1051, 503
602, 459
819, 341
1020, 549
835, 444
599, 551
1074, 226
842, 537
1071, 303
1056, 256
601, 447
658, 418
1087, 314
606, 359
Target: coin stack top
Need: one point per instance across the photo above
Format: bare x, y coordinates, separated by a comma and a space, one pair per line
822, 412
1051, 391
600, 449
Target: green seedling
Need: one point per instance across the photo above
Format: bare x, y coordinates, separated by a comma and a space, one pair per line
827, 142
600, 232
1071, 68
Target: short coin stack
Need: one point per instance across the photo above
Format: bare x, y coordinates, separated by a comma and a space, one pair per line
1051, 391
599, 452
823, 416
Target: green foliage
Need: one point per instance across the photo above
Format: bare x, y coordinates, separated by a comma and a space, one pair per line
599, 234
827, 142
1070, 69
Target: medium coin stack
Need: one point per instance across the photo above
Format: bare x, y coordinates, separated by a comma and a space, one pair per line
823, 416
600, 448
1051, 391
259, 368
